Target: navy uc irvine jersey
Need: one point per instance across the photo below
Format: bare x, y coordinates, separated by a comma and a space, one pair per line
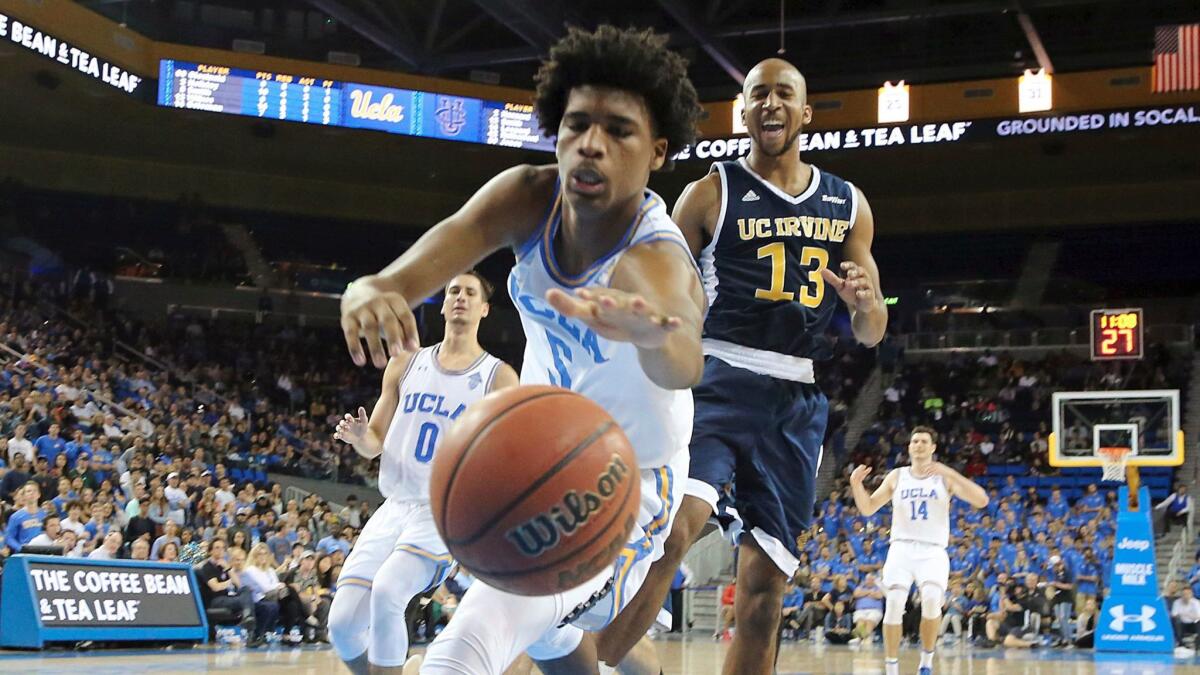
769, 307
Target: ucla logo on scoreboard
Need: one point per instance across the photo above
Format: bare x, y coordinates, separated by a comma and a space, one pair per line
380, 108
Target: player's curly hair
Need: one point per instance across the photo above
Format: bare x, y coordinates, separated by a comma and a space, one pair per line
628, 59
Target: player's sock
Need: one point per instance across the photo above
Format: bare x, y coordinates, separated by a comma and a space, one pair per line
606, 669
891, 666
926, 659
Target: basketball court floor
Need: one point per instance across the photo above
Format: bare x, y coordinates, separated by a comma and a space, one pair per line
692, 656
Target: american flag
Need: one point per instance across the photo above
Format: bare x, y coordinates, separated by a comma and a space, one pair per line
1177, 58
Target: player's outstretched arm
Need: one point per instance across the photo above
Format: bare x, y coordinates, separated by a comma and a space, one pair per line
378, 307
962, 487
859, 288
868, 504
366, 435
655, 303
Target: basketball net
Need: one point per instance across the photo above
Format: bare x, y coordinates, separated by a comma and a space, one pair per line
1116, 468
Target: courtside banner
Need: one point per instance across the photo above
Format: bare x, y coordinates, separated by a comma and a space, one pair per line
1134, 617
53, 599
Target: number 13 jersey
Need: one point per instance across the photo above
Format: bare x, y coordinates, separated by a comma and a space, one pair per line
762, 270
431, 398
920, 509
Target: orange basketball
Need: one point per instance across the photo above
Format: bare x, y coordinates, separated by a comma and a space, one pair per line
535, 489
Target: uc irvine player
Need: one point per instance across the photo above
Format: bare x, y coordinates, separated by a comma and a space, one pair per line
920, 496
610, 301
769, 231
421, 395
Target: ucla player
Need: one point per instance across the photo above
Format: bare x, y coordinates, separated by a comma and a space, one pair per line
920, 497
422, 394
772, 234
610, 301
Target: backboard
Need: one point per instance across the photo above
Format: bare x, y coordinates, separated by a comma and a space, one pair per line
1146, 422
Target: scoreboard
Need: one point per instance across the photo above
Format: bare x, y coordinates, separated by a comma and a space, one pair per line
1117, 334
310, 100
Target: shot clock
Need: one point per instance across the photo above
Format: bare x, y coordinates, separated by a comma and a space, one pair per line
1116, 334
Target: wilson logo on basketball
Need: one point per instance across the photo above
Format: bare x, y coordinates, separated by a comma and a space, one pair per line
545, 530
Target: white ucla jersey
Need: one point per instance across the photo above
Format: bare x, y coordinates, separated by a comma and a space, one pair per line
431, 398
564, 352
920, 509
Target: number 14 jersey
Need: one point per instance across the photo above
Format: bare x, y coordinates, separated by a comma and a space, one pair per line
431, 398
762, 270
920, 509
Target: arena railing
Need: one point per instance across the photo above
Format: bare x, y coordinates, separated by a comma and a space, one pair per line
1041, 338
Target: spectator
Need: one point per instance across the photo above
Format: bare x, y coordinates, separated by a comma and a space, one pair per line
139, 550
265, 588
280, 541
140, 527
110, 549
839, 628
51, 531
793, 601
170, 535
1185, 618
26, 522
1176, 508
339, 540
221, 587
725, 616
1064, 598
305, 582
177, 499
955, 611
868, 609
168, 552
1085, 625
50, 445
19, 445
15, 479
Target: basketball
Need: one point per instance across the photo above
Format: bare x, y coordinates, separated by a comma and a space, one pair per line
535, 490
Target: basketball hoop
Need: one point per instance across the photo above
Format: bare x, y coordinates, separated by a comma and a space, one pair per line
1114, 461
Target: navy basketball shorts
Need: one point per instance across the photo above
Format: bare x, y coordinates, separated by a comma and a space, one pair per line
760, 438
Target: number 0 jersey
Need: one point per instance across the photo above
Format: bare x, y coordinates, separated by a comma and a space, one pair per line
769, 307
431, 398
920, 509
564, 352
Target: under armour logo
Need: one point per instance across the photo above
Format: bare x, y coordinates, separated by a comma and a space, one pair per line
750, 196
1120, 618
474, 381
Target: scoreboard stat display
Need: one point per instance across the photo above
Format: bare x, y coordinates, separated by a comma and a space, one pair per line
293, 98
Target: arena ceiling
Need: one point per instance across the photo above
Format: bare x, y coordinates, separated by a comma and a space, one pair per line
840, 44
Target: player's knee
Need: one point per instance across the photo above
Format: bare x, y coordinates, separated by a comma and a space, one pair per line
932, 597
391, 599
893, 606
350, 622
686, 527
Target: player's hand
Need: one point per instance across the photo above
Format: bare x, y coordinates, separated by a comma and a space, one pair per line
859, 474
616, 315
375, 314
353, 430
855, 289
